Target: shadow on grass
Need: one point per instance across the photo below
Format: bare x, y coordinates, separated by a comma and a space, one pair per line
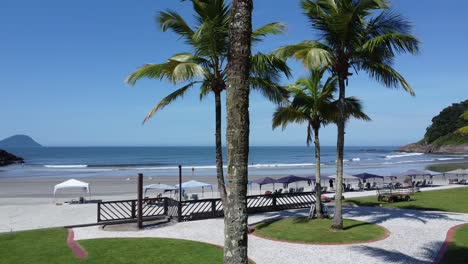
397, 205
455, 255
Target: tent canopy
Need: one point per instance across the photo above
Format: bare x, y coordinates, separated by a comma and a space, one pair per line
291, 179
345, 176
365, 176
159, 186
72, 183
194, 184
266, 180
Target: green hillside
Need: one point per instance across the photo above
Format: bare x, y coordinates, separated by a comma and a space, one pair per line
449, 127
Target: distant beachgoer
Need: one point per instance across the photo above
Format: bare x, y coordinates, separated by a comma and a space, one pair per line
193, 171
331, 183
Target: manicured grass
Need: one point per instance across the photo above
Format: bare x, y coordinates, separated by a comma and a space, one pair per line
318, 231
457, 252
451, 200
48, 246
444, 167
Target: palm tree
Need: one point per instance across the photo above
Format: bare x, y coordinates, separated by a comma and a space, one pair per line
237, 133
364, 35
205, 66
313, 103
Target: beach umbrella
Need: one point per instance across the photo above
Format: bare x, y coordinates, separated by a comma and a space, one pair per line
263, 181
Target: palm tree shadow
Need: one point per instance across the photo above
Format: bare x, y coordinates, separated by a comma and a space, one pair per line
377, 215
427, 254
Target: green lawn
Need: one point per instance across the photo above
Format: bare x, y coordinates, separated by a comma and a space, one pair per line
444, 167
452, 200
457, 253
318, 231
48, 246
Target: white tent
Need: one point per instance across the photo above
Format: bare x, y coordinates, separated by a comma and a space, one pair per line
196, 184
159, 186
72, 184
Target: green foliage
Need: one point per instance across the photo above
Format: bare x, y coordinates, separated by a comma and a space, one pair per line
360, 35
452, 200
445, 123
318, 231
205, 65
313, 103
458, 137
48, 246
458, 250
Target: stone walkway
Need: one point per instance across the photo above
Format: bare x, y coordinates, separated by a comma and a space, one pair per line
416, 237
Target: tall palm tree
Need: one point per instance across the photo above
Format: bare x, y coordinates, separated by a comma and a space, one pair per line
205, 66
237, 134
313, 103
364, 35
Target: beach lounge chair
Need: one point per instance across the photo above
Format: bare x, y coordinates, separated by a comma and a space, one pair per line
291, 190
301, 189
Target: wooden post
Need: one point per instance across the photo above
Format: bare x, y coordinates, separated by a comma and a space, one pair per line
213, 207
99, 212
179, 207
140, 200
133, 209
165, 206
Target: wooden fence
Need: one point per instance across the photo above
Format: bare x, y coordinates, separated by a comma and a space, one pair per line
126, 210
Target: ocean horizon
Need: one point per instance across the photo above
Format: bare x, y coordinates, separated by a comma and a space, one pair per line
164, 161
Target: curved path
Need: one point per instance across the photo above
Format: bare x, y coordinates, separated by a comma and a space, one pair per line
416, 237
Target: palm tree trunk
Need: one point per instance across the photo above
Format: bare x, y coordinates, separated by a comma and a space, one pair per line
318, 187
337, 223
237, 133
219, 149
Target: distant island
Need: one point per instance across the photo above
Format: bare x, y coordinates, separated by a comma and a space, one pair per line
19, 141
448, 133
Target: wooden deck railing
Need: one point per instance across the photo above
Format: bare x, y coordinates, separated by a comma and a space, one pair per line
126, 210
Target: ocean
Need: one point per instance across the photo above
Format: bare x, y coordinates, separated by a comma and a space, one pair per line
164, 161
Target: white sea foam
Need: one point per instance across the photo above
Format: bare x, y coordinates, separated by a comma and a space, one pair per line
403, 155
450, 158
356, 159
66, 166
281, 165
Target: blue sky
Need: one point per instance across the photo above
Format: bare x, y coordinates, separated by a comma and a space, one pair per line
63, 63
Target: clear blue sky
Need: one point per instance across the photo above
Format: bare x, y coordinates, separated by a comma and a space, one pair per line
62, 66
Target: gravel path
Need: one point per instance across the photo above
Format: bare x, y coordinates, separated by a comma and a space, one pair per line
416, 237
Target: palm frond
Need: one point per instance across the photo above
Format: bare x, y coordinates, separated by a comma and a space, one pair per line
312, 54
354, 109
393, 41
152, 71
285, 115
274, 28
169, 99
269, 89
385, 74
171, 20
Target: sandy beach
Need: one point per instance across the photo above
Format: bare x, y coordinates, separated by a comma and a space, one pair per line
28, 203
